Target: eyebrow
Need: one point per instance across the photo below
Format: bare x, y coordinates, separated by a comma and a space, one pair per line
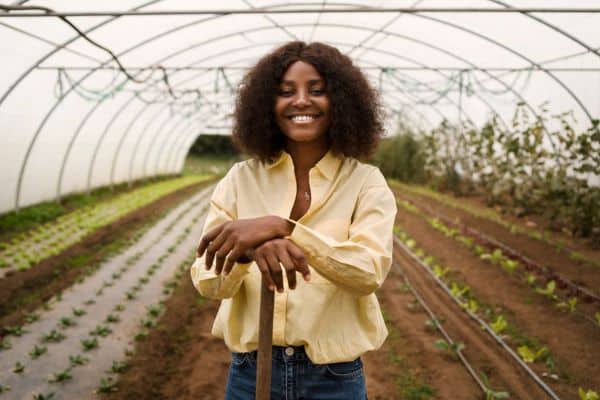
312, 81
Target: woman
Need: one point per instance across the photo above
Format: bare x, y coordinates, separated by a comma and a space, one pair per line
302, 204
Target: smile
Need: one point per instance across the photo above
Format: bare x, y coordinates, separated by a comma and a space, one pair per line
303, 118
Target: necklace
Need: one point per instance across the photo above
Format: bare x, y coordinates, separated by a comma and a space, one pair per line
306, 195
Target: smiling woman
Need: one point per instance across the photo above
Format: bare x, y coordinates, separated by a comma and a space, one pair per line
303, 204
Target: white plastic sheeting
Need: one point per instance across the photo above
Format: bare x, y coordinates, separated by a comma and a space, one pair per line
70, 121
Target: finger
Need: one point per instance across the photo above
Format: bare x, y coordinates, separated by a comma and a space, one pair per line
213, 248
221, 255
300, 260
263, 266
289, 265
276, 272
206, 239
233, 256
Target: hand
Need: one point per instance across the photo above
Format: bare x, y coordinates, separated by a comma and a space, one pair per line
232, 240
268, 257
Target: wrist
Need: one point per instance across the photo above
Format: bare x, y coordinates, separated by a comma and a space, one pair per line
282, 227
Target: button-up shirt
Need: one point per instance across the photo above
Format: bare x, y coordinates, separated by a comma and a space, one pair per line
347, 238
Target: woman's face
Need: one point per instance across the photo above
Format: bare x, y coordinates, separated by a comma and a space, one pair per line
302, 107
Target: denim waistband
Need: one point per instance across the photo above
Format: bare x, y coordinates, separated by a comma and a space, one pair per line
287, 353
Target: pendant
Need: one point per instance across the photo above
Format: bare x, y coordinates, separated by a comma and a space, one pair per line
306, 195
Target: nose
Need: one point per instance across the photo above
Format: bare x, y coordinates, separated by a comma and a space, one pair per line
301, 99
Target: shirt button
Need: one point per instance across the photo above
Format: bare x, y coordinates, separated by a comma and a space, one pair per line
289, 351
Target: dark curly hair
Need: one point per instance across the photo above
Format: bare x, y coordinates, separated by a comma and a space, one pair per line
356, 116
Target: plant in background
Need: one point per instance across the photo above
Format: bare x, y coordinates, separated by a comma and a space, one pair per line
453, 349
548, 291
530, 356
499, 325
587, 394
491, 394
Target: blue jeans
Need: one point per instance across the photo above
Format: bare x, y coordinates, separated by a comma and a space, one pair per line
295, 377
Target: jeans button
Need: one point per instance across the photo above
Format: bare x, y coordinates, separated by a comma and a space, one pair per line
289, 351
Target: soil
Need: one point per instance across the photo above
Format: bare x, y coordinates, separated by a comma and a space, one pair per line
21, 292
573, 341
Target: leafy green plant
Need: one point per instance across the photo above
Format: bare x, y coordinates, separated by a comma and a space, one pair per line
453, 349
53, 337
509, 265
570, 304
78, 360
491, 394
587, 394
5, 344
4, 388
39, 396
531, 279
112, 318
118, 367
548, 291
89, 344
37, 351
78, 312
439, 272
14, 330
530, 356
499, 325
495, 257
107, 385
19, 368
61, 376
101, 330
457, 291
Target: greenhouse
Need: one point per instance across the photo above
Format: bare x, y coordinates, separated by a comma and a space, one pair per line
116, 126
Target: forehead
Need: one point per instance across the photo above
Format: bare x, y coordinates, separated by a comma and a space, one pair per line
301, 72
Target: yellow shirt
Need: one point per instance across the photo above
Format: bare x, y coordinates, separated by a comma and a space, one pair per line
346, 236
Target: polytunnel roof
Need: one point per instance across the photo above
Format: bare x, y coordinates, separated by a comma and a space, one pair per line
71, 120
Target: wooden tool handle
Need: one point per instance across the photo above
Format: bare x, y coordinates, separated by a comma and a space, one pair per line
265, 342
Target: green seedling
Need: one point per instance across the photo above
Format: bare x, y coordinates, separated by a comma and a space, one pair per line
112, 318
531, 279
548, 291
119, 307
453, 349
598, 317
89, 302
587, 394
130, 295
429, 260
439, 272
37, 351
118, 367
78, 312
420, 253
529, 356
569, 305
141, 336
14, 330
495, 257
404, 287
101, 330
470, 305
18, 368
89, 344
432, 325
78, 360
154, 310
4, 388
499, 325
458, 291
410, 243
491, 394
5, 344
32, 317
66, 322
107, 385
61, 376
53, 337
509, 265
148, 323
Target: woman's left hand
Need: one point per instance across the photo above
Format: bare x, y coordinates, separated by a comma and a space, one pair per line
231, 240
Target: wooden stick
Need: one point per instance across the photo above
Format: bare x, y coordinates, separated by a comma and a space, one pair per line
265, 342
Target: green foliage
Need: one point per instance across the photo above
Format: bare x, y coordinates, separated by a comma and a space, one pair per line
210, 145
587, 394
401, 157
529, 355
499, 325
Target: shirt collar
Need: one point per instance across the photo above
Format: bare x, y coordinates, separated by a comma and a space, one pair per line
327, 165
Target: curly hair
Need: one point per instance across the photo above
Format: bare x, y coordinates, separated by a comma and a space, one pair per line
356, 115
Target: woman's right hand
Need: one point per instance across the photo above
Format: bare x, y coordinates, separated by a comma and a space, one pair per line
271, 255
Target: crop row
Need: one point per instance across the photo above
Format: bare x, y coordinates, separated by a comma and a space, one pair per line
29, 248
101, 327
511, 261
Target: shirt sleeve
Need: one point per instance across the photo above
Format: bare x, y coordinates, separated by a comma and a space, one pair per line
361, 263
222, 208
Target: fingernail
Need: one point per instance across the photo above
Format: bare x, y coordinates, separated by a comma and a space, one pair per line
271, 287
307, 278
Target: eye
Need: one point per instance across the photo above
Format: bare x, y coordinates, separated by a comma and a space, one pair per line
285, 92
318, 92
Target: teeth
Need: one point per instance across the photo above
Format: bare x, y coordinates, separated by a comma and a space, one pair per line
302, 118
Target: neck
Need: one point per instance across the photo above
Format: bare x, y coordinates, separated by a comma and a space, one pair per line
306, 154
